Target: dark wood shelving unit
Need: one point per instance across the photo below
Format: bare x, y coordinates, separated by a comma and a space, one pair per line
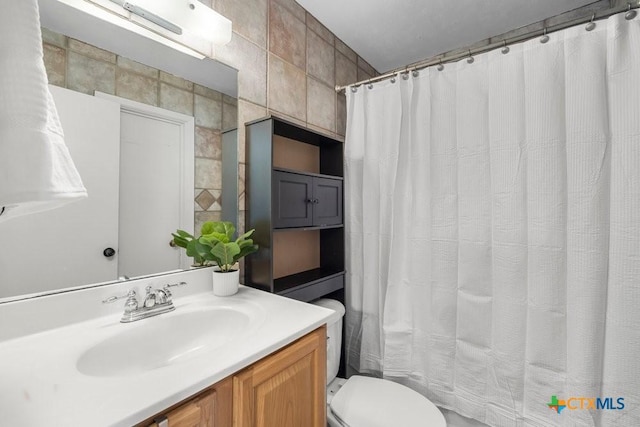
295, 180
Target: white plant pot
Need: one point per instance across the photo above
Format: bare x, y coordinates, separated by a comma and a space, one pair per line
225, 284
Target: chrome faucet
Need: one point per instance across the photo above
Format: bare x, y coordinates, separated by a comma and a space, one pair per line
156, 301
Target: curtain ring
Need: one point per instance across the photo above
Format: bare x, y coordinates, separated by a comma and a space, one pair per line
405, 75
591, 25
393, 79
369, 85
470, 58
545, 37
440, 66
505, 48
415, 73
631, 13
354, 89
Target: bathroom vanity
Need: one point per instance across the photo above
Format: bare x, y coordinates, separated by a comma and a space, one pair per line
253, 359
274, 391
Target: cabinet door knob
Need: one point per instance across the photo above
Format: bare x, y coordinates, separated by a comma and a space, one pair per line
310, 201
316, 201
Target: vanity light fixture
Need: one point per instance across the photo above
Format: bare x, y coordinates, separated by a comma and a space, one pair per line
185, 25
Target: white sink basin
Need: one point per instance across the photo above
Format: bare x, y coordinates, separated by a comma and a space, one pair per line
164, 340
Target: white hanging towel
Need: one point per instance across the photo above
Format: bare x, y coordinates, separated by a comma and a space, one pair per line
36, 170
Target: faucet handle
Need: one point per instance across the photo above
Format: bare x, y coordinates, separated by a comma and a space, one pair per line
130, 305
173, 285
130, 294
167, 290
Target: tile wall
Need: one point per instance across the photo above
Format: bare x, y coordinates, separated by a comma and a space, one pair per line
84, 68
288, 65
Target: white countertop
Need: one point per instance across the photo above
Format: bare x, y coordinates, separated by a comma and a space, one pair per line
40, 384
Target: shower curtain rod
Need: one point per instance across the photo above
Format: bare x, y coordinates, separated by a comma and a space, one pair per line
468, 52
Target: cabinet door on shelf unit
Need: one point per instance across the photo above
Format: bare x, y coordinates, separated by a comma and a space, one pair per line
292, 200
327, 197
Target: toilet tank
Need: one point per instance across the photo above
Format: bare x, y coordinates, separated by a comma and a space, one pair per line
334, 335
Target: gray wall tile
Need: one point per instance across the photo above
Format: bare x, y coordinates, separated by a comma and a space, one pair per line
287, 35
208, 112
136, 87
320, 58
249, 18
55, 62
175, 99
314, 25
87, 75
321, 105
287, 88
91, 51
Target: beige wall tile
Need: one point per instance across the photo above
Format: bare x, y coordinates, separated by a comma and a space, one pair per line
320, 58
346, 50
341, 114
204, 200
229, 116
55, 62
176, 81
91, 51
287, 35
175, 99
208, 143
252, 60
363, 75
87, 75
346, 71
314, 25
217, 201
293, 7
208, 3
321, 105
242, 173
202, 217
136, 67
229, 100
366, 67
249, 18
136, 87
205, 91
208, 173
208, 112
246, 113
53, 38
287, 88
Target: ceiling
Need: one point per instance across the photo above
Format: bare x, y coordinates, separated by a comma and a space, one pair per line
392, 34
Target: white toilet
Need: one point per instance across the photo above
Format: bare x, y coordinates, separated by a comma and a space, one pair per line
370, 402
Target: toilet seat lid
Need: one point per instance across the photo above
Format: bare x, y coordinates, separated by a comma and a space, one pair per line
373, 402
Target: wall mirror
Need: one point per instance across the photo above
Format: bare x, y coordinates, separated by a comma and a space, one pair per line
70, 260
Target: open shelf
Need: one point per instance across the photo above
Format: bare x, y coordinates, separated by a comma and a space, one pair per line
304, 278
295, 180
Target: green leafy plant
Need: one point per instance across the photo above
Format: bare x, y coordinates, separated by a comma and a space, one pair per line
216, 246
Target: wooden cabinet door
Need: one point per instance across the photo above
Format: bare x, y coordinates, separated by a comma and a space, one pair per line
327, 206
292, 200
286, 389
212, 408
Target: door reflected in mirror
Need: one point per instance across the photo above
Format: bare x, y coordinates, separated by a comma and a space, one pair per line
149, 171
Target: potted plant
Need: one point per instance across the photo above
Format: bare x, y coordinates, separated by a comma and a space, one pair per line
216, 246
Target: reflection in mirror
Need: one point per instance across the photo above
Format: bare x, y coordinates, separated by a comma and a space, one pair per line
66, 258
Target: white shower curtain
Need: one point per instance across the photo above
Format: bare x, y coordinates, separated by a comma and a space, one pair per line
493, 230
